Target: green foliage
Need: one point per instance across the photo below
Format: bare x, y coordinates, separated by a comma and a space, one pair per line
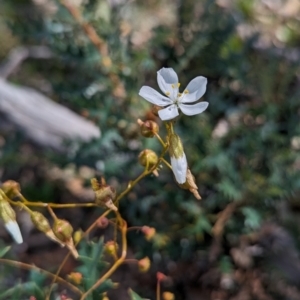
93, 265
20, 290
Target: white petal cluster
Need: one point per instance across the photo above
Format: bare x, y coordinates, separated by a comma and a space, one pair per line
167, 80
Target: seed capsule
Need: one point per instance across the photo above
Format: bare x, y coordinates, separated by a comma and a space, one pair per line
11, 188
62, 230
148, 128
148, 157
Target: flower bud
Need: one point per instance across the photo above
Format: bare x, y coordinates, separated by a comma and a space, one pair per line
105, 194
105, 297
75, 277
178, 158
8, 215
144, 264
148, 158
149, 232
161, 276
102, 222
148, 128
111, 248
62, 230
190, 184
42, 224
168, 296
78, 235
11, 188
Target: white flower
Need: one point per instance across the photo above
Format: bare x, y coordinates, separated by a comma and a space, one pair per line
14, 230
179, 166
167, 80
178, 158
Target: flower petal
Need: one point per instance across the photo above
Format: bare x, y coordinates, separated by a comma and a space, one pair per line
167, 80
153, 96
14, 230
194, 90
168, 113
179, 166
194, 109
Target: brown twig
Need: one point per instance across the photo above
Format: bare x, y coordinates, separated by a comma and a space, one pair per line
223, 217
89, 30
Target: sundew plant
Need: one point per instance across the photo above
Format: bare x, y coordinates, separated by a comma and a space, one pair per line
106, 196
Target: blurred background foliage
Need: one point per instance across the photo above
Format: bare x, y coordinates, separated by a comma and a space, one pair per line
244, 150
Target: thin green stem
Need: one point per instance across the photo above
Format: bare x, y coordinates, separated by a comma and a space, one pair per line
53, 215
146, 172
160, 140
55, 205
166, 163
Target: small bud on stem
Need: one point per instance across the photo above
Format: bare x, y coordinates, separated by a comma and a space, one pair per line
168, 296
148, 128
148, 158
11, 188
144, 264
111, 248
149, 232
63, 231
42, 224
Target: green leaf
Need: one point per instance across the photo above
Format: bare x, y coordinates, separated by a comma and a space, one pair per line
225, 264
133, 295
90, 255
27, 288
4, 250
252, 217
229, 190
37, 277
192, 208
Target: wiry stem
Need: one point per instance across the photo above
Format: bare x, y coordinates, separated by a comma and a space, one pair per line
146, 172
158, 290
49, 274
68, 255
55, 205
